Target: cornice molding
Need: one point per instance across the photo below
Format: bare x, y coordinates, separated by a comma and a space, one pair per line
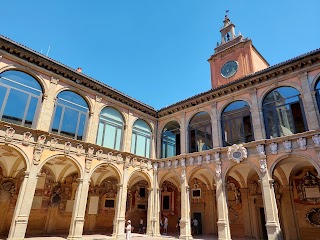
15, 49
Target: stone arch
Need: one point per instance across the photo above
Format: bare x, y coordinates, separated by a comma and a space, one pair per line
250, 164
230, 101
314, 81
193, 113
205, 178
146, 121
143, 174
72, 159
86, 98
303, 157
171, 175
30, 72
22, 154
163, 124
113, 166
125, 120
272, 87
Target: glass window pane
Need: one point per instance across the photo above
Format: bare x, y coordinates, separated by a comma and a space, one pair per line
271, 123
141, 145
31, 111
147, 148
73, 98
81, 126
297, 117
69, 123
3, 92
109, 136
15, 107
100, 133
118, 139
133, 143
57, 118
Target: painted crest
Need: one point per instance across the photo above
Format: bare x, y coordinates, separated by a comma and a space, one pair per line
237, 153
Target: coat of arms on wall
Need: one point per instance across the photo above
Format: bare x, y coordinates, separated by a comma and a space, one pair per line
308, 189
237, 153
313, 217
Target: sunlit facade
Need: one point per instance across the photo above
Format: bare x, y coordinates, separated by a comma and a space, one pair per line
78, 157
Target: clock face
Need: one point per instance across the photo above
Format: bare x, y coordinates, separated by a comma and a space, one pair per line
229, 69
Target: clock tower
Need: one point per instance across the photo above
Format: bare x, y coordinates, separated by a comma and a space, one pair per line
234, 58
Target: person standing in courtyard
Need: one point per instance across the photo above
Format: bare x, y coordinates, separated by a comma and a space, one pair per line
195, 226
165, 225
178, 226
129, 229
141, 226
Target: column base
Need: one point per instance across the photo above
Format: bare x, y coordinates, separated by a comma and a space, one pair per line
74, 238
273, 231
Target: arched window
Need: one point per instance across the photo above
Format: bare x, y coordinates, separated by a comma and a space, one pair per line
200, 133
236, 123
170, 140
283, 112
317, 90
141, 138
70, 115
20, 97
110, 128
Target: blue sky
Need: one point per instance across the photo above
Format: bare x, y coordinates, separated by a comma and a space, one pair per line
156, 51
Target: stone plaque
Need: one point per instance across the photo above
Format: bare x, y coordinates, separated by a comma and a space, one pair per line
69, 205
37, 202
93, 205
312, 192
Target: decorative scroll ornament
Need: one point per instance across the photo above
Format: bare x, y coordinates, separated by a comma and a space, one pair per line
237, 153
90, 152
67, 146
313, 217
99, 154
263, 165
155, 167
218, 170
109, 156
217, 156
287, 146
53, 144
302, 143
26, 138
175, 163
169, 164
149, 165
9, 134
274, 148
208, 158
183, 174
199, 160
191, 160
260, 150
162, 164
79, 149
316, 140
119, 158
88, 164
183, 162
37, 155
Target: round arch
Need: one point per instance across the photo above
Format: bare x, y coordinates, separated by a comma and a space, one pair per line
230, 101
113, 166
30, 72
116, 108
207, 179
23, 155
171, 175
72, 159
194, 113
143, 174
163, 124
143, 119
273, 87
314, 81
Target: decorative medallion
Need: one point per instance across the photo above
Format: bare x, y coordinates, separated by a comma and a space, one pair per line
313, 217
308, 189
237, 153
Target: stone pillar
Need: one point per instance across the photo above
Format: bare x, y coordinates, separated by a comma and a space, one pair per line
255, 116
128, 133
150, 218
47, 109
270, 208
79, 208
156, 205
119, 222
290, 225
308, 103
246, 212
183, 133
222, 209
23, 206
93, 124
214, 212
216, 126
185, 226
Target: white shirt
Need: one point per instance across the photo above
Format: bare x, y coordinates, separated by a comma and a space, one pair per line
195, 222
141, 221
